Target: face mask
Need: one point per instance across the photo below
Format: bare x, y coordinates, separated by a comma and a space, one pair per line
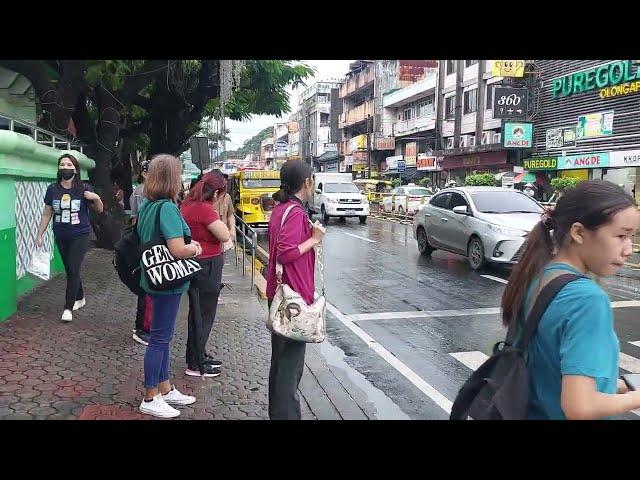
67, 173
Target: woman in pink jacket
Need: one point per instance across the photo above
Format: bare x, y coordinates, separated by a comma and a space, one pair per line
292, 246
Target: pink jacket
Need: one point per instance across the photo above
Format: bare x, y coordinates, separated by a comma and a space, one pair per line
283, 246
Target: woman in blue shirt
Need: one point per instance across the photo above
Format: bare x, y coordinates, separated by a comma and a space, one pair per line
573, 357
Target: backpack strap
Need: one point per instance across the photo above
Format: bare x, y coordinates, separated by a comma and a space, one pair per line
543, 300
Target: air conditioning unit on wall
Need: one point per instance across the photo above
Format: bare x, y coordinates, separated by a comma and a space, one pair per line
497, 137
464, 141
487, 138
471, 142
450, 143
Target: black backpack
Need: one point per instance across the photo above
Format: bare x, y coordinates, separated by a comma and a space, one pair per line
499, 388
127, 257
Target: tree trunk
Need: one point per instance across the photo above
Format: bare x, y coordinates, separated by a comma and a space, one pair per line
108, 225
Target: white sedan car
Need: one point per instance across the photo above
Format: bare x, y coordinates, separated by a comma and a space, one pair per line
406, 200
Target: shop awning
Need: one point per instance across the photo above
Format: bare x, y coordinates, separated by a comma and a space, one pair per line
525, 177
328, 157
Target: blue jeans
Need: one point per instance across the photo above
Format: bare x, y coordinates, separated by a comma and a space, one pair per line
156, 358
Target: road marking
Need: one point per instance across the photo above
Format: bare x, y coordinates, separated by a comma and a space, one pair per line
472, 360
405, 371
637, 344
428, 314
495, 279
629, 363
361, 238
465, 312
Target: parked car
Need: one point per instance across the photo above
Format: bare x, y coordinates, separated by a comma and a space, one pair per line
406, 200
486, 224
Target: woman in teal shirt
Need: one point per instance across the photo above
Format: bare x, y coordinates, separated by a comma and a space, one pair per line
161, 189
573, 357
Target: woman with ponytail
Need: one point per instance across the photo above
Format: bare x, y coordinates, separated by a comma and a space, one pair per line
573, 357
290, 244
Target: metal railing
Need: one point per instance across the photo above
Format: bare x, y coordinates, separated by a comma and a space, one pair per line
248, 234
40, 135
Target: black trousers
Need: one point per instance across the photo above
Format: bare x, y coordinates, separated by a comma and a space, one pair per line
72, 251
287, 366
207, 284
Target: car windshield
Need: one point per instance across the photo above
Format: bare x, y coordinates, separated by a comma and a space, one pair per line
504, 202
420, 191
261, 183
340, 188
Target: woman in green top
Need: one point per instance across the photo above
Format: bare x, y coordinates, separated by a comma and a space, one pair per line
161, 189
573, 356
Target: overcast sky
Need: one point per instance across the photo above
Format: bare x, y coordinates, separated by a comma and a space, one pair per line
242, 131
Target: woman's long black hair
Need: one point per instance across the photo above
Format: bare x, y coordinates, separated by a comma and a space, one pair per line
292, 176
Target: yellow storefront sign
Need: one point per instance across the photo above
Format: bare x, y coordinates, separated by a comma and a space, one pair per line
508, 68
579, 174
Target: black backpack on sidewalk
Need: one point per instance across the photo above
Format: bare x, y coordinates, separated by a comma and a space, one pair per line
499, 388
127, 259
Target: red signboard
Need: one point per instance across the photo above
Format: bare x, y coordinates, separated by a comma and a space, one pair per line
426, 163
412, 70
385, 143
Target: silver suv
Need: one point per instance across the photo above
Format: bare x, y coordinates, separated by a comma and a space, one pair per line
486, 224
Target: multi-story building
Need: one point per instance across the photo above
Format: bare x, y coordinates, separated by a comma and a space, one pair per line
315, 120
470, 138
356, 119
408, 121
267, 153
294, 136
586, 123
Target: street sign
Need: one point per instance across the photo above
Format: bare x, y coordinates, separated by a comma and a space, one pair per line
200, 152
402, 166
510, 102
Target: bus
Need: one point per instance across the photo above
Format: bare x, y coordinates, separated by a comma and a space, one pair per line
251, 192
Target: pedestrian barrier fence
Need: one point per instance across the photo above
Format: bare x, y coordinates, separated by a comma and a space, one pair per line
249, 238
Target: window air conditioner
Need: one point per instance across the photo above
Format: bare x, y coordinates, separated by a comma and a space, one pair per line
487, 138
464, 141
471, 142
450, 143
497, 137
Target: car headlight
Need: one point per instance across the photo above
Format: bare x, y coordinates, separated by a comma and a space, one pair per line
507, 232
331, 200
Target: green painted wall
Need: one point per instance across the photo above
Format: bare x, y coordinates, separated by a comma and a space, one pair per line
8, 293
23, 159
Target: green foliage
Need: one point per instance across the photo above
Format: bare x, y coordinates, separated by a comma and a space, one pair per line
396, 182
253, 144
561, 184
480, 180
424, 182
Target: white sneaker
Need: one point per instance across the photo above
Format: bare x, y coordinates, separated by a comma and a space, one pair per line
67, 316
158, 408
79, 304
174, 397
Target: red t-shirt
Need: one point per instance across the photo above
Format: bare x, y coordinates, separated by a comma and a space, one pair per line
198, 216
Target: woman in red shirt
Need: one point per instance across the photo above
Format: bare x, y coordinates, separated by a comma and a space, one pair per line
207, 229
292, 245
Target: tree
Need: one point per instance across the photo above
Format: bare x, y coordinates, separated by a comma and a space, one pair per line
424, 182
120, 107
396, 182
480, 179
562, 184
253, 144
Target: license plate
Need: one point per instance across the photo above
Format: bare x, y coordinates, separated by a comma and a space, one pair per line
350, 211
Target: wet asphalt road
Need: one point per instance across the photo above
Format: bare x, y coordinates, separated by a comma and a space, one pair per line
376, 270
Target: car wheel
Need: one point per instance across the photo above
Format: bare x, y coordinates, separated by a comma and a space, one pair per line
423, 242
475, 253
363, 220
325, 217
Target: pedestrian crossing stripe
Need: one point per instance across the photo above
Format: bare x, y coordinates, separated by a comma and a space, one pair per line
474, 359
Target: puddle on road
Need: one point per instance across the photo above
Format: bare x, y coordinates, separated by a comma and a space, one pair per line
383, 406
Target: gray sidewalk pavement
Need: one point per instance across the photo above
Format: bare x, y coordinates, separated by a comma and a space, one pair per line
92, 369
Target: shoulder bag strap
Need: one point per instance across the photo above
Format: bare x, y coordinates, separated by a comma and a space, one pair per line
279, 268
544, 299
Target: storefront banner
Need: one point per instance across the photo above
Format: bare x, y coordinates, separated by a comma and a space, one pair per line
627, 158
427, 163
392, 162
518, 135
589, 160
474, 160
595, 125
543, 163
410, 153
